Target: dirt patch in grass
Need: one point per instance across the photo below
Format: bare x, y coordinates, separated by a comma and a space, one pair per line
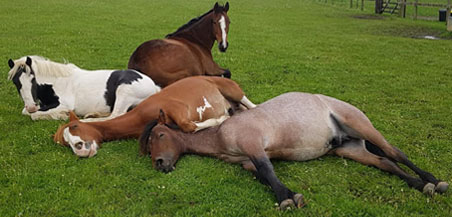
419, 32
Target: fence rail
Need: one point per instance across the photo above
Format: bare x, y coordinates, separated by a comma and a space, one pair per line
401, 5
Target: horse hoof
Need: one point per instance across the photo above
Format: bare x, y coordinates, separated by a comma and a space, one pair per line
287, 204
299, 200
429, 189
441, 187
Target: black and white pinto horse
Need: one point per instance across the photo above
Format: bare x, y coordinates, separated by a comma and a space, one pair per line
50, 89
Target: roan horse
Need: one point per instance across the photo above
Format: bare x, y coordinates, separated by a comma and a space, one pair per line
50, 89
292, 126
186, 52
192, 104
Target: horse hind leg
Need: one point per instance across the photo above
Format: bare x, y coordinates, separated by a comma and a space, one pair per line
355, 149
232, 91
357, 125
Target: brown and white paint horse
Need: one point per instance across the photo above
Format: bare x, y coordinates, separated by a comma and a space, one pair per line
186, 52
192, 104
292, 126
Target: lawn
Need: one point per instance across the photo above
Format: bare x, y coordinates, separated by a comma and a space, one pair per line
377, 63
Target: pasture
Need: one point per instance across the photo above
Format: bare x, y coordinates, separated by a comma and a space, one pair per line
379, 64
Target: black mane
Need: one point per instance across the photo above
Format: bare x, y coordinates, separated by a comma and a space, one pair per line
190, 23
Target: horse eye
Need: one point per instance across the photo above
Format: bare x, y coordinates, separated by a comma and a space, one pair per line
161, 135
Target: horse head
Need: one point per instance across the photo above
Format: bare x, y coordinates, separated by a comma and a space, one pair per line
162, 142
23, 77
83, 139
220, 22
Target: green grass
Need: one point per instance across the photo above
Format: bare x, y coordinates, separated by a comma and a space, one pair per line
402, 83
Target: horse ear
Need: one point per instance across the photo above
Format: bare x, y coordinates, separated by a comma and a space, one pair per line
144, 138
72, 116
28, 62
216, 8
10, 63
58, 136
162, 117
226, 7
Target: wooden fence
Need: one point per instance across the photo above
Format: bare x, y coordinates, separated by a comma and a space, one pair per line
400, 6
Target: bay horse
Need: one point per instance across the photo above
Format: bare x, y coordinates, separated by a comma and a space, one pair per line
187, 51
192, 103
293, 126
50, 90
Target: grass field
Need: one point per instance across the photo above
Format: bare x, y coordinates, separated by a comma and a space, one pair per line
401, 82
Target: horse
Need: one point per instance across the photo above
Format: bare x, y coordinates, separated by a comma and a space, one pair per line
293, 126
50, 90
193, 103
187, 51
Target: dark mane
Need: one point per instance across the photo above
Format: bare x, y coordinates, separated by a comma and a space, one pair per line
187, 25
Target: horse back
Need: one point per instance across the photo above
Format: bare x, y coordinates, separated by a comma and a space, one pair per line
165, 61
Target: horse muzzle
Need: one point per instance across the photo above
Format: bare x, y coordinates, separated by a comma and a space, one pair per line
223, 48
163, 165
88, 149
32, 108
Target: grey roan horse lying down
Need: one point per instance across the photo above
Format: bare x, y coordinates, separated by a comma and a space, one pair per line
292, 126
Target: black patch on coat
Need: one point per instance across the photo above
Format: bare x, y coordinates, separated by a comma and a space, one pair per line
117, 78
16, 77
46, 96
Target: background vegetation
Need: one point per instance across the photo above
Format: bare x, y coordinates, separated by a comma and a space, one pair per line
378, 63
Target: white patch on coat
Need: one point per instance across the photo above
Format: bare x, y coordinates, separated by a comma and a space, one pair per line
83, 151
201, 109
223, 31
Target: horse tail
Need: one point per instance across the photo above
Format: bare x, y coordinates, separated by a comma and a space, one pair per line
144, 138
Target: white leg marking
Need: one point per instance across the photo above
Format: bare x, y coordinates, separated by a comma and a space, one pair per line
245, 101
210, 122
223, 30
201, 109
57, 113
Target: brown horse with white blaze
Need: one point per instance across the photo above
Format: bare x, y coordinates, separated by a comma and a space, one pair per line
192, 104
292, 126
186, 52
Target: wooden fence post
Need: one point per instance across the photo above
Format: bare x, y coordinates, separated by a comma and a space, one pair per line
351, 3
415, 9
378, 6
448, 17
362, 5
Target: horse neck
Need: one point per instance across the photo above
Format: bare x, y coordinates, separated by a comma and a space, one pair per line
199, 33
129, 125
205, 142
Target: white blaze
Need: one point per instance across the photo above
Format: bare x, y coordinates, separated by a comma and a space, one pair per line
223, 30
201, 109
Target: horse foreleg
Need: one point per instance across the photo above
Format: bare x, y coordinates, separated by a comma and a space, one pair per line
264, 172
57, 113
355, 149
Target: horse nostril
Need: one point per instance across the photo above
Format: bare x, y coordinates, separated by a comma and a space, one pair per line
159, 162
78, 145
88, 145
